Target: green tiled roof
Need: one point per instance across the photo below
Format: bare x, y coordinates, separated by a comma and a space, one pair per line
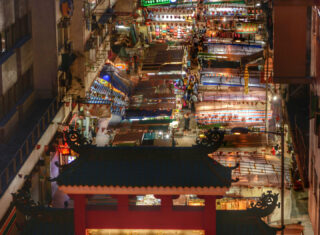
145, 166
242, 223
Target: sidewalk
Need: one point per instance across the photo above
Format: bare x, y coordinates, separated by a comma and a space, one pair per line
299, 210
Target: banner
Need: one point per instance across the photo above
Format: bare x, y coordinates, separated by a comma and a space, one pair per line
267, 71
246, 80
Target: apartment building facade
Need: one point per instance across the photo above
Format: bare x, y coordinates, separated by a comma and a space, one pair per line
44, 45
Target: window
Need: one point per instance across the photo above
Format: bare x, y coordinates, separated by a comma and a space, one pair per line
15, 32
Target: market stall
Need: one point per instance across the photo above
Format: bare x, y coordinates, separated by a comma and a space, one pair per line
257, 168
111, 88
232, 113
167, 24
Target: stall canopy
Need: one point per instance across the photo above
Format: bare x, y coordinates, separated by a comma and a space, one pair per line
111, 75
138, 114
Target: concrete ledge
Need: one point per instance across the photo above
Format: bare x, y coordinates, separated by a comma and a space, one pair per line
29, 164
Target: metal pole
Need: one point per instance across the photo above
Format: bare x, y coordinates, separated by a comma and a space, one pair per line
267, 80
282, 179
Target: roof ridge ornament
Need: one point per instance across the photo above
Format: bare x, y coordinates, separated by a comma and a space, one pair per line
266, 204
212, 138
76, 141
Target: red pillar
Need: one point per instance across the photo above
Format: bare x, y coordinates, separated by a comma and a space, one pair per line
79, 214
210, 215
166, 202
123, 202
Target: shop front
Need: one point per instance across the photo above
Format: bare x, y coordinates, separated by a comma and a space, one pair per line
112, 88
171, 32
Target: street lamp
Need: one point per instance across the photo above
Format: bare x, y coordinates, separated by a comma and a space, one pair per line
243, 130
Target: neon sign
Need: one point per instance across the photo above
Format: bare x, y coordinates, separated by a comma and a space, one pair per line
121, 66
156, 2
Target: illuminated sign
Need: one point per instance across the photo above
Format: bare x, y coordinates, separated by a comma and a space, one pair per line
246, 28
121, 66
71, 159
157, 2
65, 151
106, 78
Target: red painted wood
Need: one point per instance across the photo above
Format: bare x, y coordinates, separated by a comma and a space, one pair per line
164, 217
210, 215
145, 219
79, 214
166, 203
123, 203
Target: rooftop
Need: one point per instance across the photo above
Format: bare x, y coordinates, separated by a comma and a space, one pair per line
146, 168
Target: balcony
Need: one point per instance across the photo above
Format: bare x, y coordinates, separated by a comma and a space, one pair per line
17, 150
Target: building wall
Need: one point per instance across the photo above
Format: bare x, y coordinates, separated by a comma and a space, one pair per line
290, 52
26, 57
314, 150
16, 61
86, 68
44, 48
7, 17
314, 174
9, 73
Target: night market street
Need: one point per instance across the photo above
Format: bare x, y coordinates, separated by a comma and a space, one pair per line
159, 117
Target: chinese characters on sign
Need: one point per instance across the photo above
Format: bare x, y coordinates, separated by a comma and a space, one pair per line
156, 2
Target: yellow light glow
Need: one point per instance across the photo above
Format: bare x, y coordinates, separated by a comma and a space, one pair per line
142, 232
237, 133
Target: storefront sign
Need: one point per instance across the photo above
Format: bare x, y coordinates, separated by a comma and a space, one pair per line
121, 66
64, 149
246, 80
246, 28
156, 2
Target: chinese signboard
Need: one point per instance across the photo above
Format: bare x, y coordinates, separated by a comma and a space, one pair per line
156, 2
246, 80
